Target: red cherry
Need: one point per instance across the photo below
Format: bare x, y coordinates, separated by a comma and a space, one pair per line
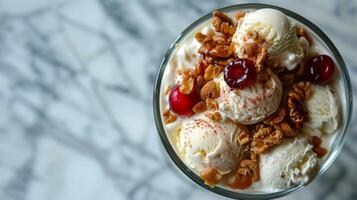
319, 69
180, 103
240, 73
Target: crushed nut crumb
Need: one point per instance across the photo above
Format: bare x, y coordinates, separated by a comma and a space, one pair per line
211, 104
169, 117
199, 107
210, 90
211, 176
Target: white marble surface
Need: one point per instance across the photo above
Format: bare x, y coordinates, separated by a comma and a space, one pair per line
76, 81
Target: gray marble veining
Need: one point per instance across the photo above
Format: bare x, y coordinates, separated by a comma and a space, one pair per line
76, 82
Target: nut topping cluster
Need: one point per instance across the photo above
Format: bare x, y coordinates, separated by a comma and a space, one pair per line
200, 90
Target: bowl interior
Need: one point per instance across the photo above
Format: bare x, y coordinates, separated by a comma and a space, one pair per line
343, 83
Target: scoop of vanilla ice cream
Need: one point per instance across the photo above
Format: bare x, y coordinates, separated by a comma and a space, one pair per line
205, 143
290, 163
323, 112
254, 103
283, 46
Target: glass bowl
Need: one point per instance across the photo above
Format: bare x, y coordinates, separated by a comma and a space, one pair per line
346, 104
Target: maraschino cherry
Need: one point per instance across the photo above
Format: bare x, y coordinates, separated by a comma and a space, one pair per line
240, 73
180, 103
319, 69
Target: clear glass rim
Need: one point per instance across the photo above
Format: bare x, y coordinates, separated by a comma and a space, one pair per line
337, 146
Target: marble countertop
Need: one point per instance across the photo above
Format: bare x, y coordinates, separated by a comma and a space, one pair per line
76, 80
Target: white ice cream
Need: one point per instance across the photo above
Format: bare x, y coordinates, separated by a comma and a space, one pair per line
254, 103
322, 107
204, 143
199, 147
283, 46
291, 163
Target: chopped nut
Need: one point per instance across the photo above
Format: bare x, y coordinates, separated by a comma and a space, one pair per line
297, 111
199, 81
278, 117
186, 72
316, 141
261, 59
187, 85
202, 38
211, 104
222, 26
243, 136
262, 132
287, 130
303, 89
209, 59
199, 107
320, 152
238, 15
206, 48
211, 176
221, 39
169, 117
264, 138
253, 166
221, 51
224, 62
200, 68
210, 90
296, 106
215, 116
250, 48
222, 16
212, 71
244, 171
239, 181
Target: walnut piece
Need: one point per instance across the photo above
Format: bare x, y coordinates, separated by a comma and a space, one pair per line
297, 111
211, 176
222, 23
303, 89
199, 107
212, 71
320, 151
238, 15
315, 141
202, 38
222, 16
210, 90
276, 118
261, 59
264, 138
287, 130
169, 117
253, 166
211, 104
215, 116
199, 81
243, 136
187, 85
296, 106
221, 51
